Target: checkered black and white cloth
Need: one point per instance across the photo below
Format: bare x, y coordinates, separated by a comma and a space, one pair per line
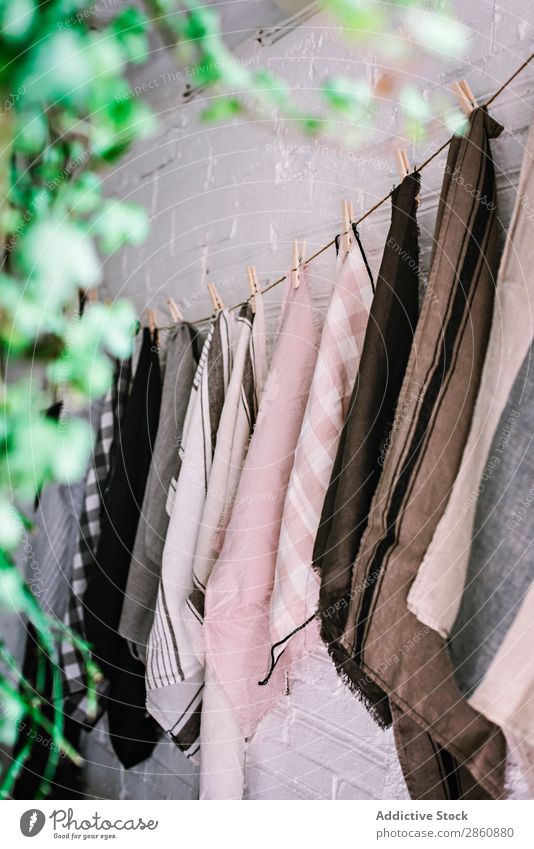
105, 444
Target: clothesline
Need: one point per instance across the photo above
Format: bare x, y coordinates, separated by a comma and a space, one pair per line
372, 209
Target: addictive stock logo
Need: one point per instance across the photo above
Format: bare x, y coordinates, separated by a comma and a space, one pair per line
32, 822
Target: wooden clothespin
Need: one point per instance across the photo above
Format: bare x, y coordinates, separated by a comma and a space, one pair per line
403, 163
404, 168
175, 311
297, 260
91, 296
462, 90
216, 299
347, 217
151, 321
253, 285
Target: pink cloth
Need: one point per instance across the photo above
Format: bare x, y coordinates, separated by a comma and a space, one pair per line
238, 595
296, 590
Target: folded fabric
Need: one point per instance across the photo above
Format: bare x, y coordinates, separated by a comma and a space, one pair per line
76, 704
174, 673
368, 431
437, 590
295, 595
133, 734
182, 355
238, 595
500, 570
405, 659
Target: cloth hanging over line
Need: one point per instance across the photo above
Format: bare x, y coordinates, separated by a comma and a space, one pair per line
75, 684
437, 590
404, 659
174, 674
47, 562
500, 570
133, 734
295, 595
182, 355
233, 436
236, 625
219, 742
367, 432
506, 692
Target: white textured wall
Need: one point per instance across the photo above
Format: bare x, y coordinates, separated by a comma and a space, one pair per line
221, 197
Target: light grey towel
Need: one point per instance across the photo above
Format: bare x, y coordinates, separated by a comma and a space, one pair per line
501, 562
183, 351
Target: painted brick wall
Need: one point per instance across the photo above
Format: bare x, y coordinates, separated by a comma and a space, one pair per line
222, 197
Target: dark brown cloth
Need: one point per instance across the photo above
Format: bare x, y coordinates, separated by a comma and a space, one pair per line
402, 656
367, 430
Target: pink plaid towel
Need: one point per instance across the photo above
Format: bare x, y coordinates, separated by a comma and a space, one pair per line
296, 588
236, 625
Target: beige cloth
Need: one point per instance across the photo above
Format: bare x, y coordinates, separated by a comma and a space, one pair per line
437, 590
506, 693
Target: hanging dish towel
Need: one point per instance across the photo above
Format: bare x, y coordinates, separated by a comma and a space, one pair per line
238, 595
47, 559
183, 352
76, 704
174, 674
406, 661
437, 590
217, 745
500, 569
296, 588
133, 735
235, 428
506, 692
368, 431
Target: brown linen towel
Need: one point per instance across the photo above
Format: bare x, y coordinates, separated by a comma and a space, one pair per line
406, 659
366, 433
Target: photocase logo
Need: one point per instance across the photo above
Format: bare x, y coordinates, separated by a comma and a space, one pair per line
32, 822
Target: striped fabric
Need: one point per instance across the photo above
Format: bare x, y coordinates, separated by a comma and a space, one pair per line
174, 674
296, 589
89, 535
402, 657
182, 352
436, 593
235, 428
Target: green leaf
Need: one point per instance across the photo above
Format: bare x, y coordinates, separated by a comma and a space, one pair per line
61, 70
74, 441
120, 223
222, 109
57, 257
31, 131
129, 28
10, 525
16, 18
438, 33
